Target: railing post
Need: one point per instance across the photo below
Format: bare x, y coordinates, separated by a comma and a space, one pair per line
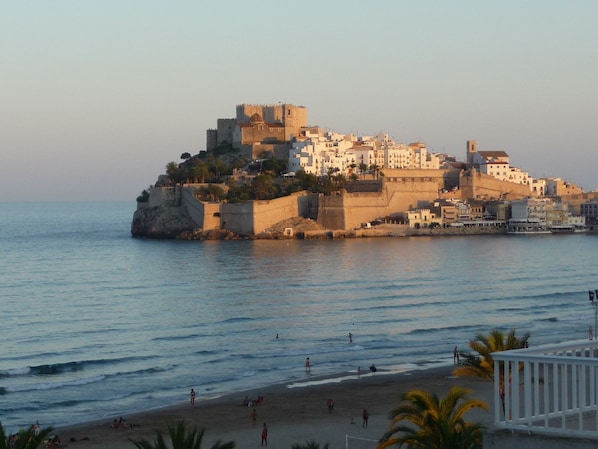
497, 399
527, 392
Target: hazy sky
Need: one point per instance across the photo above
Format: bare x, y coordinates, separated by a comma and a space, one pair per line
96, 97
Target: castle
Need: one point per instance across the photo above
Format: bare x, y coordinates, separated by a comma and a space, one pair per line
259, 128
394, 178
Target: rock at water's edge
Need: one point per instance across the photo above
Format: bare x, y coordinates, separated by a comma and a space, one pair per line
161, 222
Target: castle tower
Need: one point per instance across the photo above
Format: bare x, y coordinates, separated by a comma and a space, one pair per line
472, 148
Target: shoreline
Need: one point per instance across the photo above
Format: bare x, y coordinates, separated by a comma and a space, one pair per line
295, 412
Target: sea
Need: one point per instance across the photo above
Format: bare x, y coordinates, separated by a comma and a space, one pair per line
96, 324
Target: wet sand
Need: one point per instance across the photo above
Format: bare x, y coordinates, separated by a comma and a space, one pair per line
294, 413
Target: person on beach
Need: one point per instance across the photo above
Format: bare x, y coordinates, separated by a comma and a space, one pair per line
192, 396
359, 372
264, 435
591, 332
253, 418
307, 365
350, 337
456, 356
330, 405
365, 415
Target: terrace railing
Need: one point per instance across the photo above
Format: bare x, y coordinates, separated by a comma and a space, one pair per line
548, 389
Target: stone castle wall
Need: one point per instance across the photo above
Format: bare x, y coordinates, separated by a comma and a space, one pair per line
255, 216
350, 210
205, 215
479, 186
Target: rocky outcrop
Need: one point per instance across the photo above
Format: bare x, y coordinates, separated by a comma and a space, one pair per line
161, 222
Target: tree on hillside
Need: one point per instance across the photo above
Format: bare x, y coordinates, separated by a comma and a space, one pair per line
185, 156
425, 421
181, 438
173, 171
200, 170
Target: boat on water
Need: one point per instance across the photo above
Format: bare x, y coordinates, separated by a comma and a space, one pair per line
562, 229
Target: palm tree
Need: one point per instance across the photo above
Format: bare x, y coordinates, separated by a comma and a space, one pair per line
482, 364
181, 438
311, 444
27, 439
362, 168
425, 421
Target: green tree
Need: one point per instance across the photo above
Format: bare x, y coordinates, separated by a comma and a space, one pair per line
27, 439
173, 171
375, 170
274, 166
144, 197
362, 168
311, 444
181, 438
481, 363
200, 170
425, 421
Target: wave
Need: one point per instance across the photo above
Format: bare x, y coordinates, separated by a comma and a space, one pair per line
55, 385
52, 369
440, 329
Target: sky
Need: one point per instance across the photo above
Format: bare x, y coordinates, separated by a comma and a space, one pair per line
97, 96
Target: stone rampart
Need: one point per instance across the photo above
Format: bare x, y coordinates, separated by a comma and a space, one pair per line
255, 216
479, 186
206, 215
164, 196
350, 210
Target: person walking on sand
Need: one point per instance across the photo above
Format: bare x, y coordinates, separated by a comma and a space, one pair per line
365, 415
192, 396
253, 418
330, 405
456, 356
307, 365
265, 435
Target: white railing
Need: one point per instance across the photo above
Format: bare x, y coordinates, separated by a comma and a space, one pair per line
548, 389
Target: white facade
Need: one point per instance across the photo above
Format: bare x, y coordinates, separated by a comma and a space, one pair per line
317, 154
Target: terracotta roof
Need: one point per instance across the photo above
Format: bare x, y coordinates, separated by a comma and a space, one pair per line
497, 153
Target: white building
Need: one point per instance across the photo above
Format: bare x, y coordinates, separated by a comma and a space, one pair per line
317, 154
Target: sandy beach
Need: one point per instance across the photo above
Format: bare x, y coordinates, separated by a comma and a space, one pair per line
294, 413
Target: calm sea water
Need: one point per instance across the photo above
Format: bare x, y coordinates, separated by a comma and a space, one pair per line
96, 324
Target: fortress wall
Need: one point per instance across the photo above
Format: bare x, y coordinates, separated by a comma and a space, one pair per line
415, 173
350, 210
254, 217
267, 213
205, 215
479, 186
408, 194
163, 196
195, 208
331, 211
237, 217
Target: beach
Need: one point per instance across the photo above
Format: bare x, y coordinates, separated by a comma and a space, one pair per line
294, 413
